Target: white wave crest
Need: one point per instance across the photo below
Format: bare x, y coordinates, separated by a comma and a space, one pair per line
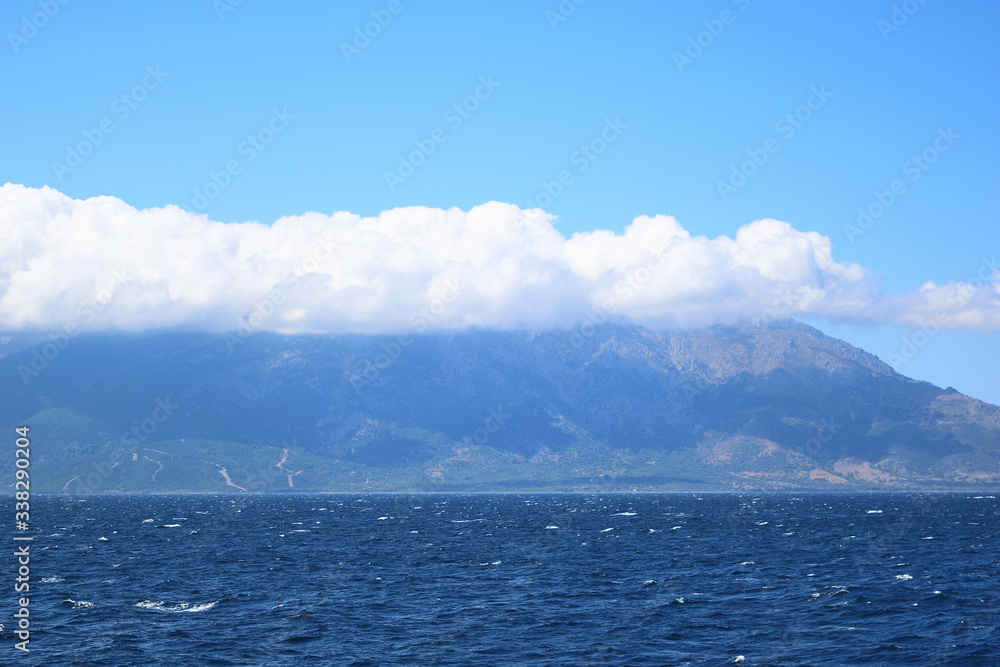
182, 607
80, 605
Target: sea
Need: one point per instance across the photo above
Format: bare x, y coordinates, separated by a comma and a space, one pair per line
507, 579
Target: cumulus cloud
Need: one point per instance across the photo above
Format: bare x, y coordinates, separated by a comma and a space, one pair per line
100, 264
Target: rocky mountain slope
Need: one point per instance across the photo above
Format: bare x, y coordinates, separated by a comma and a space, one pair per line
775, 407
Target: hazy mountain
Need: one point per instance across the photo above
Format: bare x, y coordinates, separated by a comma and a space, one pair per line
782, 406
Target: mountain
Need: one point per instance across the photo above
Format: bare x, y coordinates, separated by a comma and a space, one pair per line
780, 406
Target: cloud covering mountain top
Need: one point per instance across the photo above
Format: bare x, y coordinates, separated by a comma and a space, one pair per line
100, 264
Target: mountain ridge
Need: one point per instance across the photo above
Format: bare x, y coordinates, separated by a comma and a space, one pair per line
776, 406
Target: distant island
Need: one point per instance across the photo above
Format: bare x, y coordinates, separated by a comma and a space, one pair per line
595, 408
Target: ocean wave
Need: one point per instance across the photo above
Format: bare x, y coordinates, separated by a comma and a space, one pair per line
177, 608
78, 605
461, 587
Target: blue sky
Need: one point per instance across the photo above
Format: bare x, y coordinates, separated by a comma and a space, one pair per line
555, 83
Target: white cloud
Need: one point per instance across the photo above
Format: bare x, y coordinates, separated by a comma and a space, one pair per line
101, 264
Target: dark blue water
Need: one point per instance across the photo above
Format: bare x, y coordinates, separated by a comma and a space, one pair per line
613, 579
